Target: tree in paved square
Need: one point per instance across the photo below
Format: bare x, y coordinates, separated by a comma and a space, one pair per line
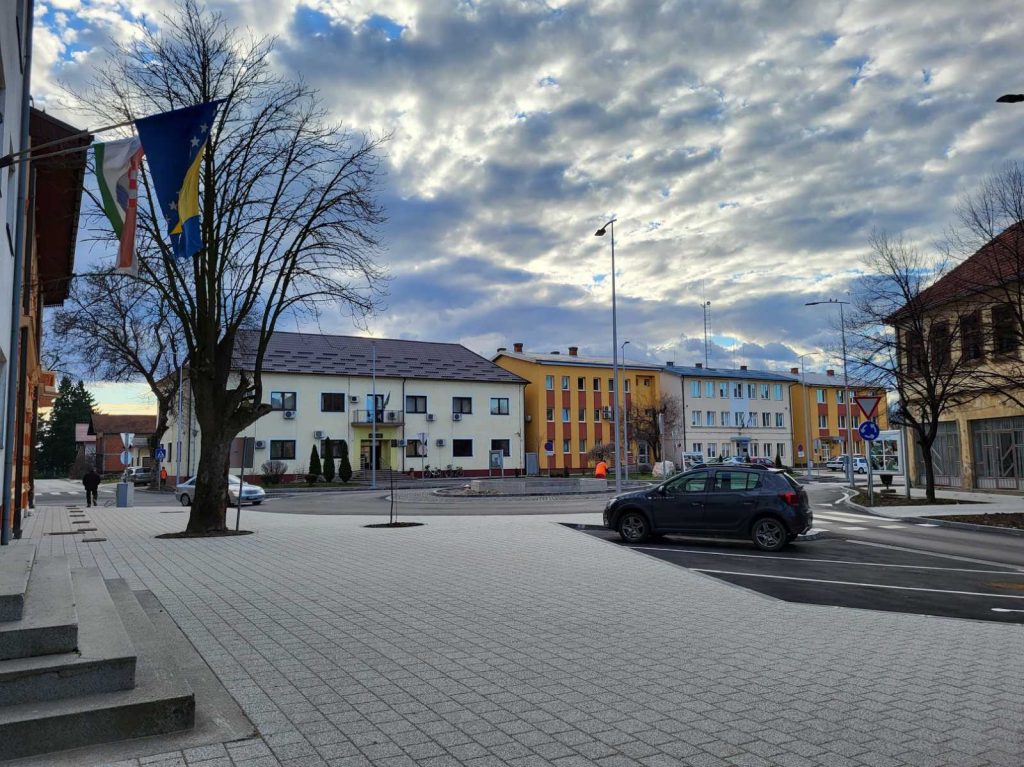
289, 216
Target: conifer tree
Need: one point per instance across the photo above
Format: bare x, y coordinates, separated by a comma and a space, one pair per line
344, 467
328, 461
315, 469
56, 453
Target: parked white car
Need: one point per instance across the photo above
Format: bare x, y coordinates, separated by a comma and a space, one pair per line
860, 464
253, 494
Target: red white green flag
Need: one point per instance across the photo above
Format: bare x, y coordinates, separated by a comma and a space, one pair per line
117, 170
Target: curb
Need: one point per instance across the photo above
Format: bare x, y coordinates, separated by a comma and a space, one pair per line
942, 522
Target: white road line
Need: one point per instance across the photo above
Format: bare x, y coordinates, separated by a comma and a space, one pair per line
892, 527
926, 524
851, 529
846, 517
866, 585
924, 552
829, 561
1005, 610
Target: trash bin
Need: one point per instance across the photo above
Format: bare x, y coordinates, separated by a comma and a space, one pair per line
125, 495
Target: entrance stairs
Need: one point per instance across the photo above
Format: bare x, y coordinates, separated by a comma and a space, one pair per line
80, 661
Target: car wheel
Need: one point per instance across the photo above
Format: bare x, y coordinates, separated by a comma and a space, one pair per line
185, 500
769, 534
862, 471
633, 527
256, 503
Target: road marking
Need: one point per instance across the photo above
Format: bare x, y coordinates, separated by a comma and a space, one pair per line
842, 515
830, 561
866, 585
934, 554
926, 524
1005, 610
892, 527
853, 528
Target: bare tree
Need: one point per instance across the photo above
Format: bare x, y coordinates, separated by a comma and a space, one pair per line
115, 328
905, 339
289, 218
645, 426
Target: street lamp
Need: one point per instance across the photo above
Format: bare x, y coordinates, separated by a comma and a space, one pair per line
846, 384
1010, 98
625, 418
615, 356
807, 416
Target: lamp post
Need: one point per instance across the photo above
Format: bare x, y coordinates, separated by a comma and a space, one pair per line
625, 420
610, 226
846, 384
807, 417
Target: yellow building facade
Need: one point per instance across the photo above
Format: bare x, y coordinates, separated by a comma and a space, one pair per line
821, 415
569, 403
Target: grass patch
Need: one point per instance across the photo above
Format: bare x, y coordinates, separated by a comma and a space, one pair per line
898, 499
1014, 521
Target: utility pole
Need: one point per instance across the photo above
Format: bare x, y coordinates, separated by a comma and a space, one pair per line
705, 306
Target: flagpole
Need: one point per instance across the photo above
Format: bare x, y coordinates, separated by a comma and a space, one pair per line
9, 159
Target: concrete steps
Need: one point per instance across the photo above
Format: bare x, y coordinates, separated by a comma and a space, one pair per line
49, 622
15, 566
116, 682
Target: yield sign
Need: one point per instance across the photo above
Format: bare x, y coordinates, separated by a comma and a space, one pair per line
868, 405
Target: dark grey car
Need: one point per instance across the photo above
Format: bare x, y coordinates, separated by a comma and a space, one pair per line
767, 506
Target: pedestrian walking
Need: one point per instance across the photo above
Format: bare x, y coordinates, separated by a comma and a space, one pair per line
163, 477
601, 470
91, 483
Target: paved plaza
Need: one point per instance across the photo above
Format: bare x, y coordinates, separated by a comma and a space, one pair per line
512, 640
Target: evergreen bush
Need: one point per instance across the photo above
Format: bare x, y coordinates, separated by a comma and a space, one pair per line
315, 469
344, 467
328, 461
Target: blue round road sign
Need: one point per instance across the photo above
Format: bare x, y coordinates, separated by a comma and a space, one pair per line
868, 431
160, 453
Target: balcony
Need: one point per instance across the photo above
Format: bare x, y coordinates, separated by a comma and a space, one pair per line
385, 417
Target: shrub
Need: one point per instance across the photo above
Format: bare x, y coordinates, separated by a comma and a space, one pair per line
273, 471
328, 461
644, 468
315, 469
778, 461
344, 467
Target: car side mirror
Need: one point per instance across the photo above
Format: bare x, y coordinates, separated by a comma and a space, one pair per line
660, 490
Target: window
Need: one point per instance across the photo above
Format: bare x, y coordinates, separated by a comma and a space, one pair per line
565, 415
710, 418
566, 446
282, 400
972, 343
777, 392
565, 383
581, 384
723, 389
737, 391
939, 340
712, 448
597, 414
690, 483
820, 396
780, 420
913, 342
625, 385
597, 384
766, 420
462, 405
499, 405
583, 414
583, 446
504, 445
856, 421
709, 388
726, 417
412, 448
414, 403
751, 391
764, 391
695, 417
752, 418
697, 447
695, 388
780, 449
822, 421
842, 422
733, 481
550, 414
753, 449
611, 384
282, 449
462, 448
549, 383
647, 383
332, 402
839, 396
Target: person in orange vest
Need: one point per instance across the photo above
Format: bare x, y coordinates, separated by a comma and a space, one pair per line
163, 475
601, 470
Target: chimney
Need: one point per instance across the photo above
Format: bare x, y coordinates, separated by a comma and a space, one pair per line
743, 367
700, 365
573, 350
794, 371
502, 349
518, 346
670, 363
830, 372
555, 351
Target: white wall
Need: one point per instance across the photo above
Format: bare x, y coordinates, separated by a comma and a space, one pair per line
479, 426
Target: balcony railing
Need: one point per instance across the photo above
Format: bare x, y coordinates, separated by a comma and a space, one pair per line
386, 417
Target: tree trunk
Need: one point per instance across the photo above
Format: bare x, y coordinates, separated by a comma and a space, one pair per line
209, 507
929, 471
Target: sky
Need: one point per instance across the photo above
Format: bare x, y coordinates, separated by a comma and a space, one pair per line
746, 149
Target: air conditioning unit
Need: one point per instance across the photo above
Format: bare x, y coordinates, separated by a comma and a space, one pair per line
456, 416
354, 399
392, 415
439, 443
261, 444
289, 414
608, 414
431, 417
319, 434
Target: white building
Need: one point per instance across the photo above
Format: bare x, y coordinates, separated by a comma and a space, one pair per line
727, 412
429, 404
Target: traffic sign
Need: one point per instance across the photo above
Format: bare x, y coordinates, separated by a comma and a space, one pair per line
128, 439
868, 405
160, 453
126, 458
868, 431
549, 447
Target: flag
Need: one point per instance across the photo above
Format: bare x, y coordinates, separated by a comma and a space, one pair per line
117, 170
175, 142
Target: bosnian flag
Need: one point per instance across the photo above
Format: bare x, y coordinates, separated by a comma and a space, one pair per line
117, 170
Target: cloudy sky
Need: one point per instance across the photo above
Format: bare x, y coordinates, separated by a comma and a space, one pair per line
747, 150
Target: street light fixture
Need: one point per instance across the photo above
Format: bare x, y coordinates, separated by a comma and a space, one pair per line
1010, 98
610, 226
625, 420
846, 384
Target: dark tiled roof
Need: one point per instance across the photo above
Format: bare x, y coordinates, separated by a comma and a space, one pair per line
730, 373
115, 424
315, 354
